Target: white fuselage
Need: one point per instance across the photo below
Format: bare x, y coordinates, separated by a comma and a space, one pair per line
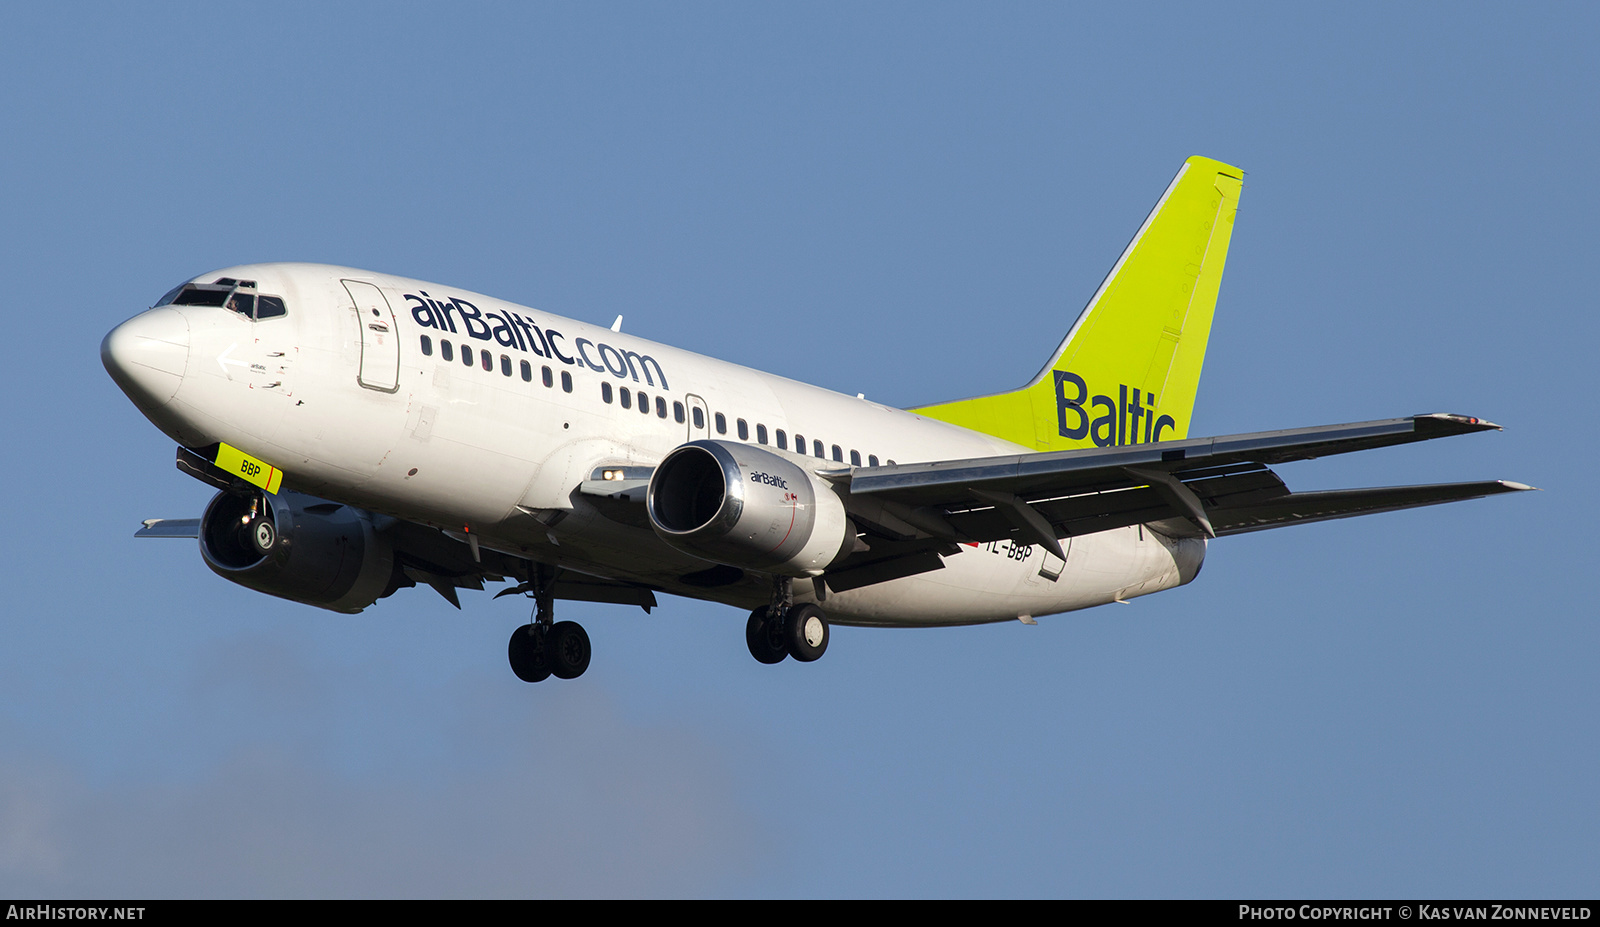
349, 405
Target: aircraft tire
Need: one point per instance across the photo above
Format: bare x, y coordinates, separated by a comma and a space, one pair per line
566, 649
806, 633
263, 535
765, 646
527, 655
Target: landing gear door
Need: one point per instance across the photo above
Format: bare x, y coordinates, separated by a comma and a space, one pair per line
380, 343
699, 418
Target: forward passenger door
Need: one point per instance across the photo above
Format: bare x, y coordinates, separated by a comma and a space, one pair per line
380, 343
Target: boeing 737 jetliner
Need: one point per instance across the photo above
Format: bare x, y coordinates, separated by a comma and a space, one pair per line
369, 433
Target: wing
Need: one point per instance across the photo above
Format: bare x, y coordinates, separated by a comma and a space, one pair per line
915, 514
1204, 487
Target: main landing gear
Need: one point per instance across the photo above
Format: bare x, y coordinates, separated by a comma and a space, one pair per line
784, 629
546, 647
537, 652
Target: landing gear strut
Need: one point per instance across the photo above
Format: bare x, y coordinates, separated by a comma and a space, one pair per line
784, 629
545, 647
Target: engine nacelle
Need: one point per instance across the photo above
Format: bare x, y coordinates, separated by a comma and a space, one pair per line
746, 507
298, 547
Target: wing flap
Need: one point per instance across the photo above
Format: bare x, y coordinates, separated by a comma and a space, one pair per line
1103, 510
1304, 507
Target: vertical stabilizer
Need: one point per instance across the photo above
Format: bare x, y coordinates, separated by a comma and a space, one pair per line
1127, 371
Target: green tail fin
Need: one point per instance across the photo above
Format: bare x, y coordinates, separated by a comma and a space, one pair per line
1127, 371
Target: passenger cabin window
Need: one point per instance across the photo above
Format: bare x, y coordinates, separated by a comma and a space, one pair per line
677, 412
816, 449
783, 440
466, 356
699, 418
722, 423
549, 378
761, 434
505, 365
527, 372
838, 453
427, 346
744, 430
872, 460
644, 403
855, 458
605, 392
488, 360
799, 443
446, 351
661, 407
626, 395
566, 381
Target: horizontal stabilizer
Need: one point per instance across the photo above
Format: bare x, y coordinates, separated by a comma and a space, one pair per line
169, 528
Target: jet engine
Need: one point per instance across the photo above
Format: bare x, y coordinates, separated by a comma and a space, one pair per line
299, 547
746, 507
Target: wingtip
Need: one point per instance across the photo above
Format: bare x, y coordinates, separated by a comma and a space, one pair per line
1470, 422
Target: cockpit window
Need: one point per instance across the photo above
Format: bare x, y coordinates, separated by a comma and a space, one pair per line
234, 295
199, 294
171, 295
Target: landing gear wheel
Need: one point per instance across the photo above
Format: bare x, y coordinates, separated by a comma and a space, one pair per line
263, 535
765, 646
526, 652
806, 633
566, 648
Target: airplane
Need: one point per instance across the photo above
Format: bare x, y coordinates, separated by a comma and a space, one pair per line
368, 433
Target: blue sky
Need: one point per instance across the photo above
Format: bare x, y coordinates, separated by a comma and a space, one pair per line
907, 200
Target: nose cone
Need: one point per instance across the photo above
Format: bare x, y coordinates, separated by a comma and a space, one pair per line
147, 355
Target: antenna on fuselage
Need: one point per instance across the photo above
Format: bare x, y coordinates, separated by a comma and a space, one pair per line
617, 325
